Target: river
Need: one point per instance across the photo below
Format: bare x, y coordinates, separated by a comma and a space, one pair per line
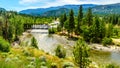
48, 43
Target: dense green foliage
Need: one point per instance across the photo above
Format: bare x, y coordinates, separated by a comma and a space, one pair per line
106, 41
97, 31
91, 27
112, 66
81, 54
109, 30
4, 45
12, 24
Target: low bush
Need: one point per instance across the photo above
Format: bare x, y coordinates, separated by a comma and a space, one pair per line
106, 41
53, 65
112, 66
4, 45
26, 53
68, 65
34, 42
60, 52
42, 59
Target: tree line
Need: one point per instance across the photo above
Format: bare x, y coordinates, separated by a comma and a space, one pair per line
93, 28
12, 24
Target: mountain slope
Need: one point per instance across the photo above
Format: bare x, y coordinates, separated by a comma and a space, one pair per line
43, 11
56, 11
2, 9
107, 9
37, 11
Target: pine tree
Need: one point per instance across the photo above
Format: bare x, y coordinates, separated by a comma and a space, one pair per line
94, 31
0, 27
10, 33
81, 54
5, 27
89, 17
80, 16
97, 31
63, 18
61, 21
66, 26
71, 21
102, 30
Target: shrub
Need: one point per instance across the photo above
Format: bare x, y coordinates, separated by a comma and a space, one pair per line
68, 65
60, 52
58, 28
4, 45
34, 43
26, 53
115, 32
112, 66
106, 41
42, 59
53, 65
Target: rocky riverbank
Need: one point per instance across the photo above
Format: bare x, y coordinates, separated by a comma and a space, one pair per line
110, 48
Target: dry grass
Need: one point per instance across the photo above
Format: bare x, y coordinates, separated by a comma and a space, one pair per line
19, 52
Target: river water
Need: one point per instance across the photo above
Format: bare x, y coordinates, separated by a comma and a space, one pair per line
48, 43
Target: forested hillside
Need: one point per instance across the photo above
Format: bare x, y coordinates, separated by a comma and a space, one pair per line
52, 11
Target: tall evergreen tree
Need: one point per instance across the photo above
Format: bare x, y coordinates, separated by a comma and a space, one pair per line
10, 33
61, 21
5, 26
97, 31
63, 18
94, 30
89, 17
102, 30
81, 54
71, 21
0, 27
79, 18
